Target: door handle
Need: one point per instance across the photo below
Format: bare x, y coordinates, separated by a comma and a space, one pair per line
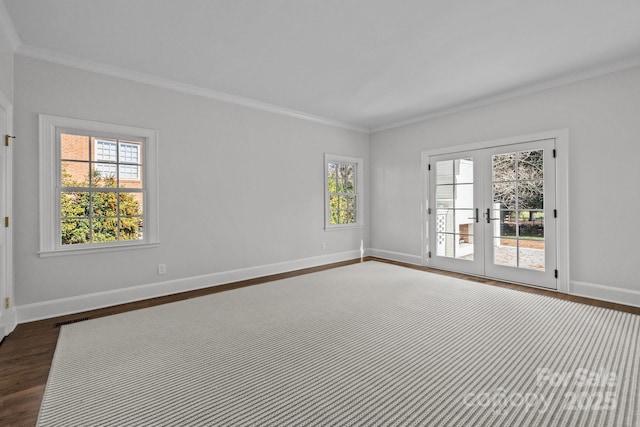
488, 216
477, 217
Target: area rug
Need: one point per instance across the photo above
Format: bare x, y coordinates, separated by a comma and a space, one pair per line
369, 344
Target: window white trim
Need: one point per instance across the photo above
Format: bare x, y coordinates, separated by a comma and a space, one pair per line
49, 164
334, 158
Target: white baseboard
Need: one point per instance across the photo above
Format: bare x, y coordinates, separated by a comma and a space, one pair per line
605, 293
80, 303
10, 322
396, 256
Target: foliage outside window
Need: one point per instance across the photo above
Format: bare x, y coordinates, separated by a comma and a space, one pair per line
343, 191
99, 200
98, 186
518, 193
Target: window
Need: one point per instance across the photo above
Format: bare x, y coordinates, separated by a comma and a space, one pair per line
343, 192
98, 186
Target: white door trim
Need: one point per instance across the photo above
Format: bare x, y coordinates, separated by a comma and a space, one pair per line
9, 319
562, 192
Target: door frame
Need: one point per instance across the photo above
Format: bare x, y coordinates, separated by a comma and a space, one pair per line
561, 137
9, 318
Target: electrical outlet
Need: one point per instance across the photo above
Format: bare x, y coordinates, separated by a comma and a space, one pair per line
162, 268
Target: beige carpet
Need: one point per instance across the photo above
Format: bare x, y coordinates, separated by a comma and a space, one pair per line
369, 344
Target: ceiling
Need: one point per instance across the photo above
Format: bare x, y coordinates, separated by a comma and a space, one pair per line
366, 64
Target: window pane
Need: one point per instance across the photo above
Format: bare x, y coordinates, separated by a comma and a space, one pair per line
348, 217
531, 254
351, 202
74, 147
444, 220
504, 194
531, 194
504, 167
350, 179
444, 172
332, 180
74, 231
508, 224
74, 174
463, 218
332, 168
104, 175
131, 204
505, 252
466, 228
444, 245
465, 238
74, 204
464, 171
531, 225
105, 229
531, 165
131, 228
346, 180
333, 210
104, 204
464, 250
444, 196
464, 196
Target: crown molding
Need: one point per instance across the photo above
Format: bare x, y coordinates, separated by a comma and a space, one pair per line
9, 30
122, 73
563, 81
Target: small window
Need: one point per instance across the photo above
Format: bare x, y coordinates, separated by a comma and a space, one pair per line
343, 192
98, 186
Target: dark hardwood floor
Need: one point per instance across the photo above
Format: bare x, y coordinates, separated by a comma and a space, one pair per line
26, 354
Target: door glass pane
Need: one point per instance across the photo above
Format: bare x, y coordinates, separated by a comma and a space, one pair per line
464, 221
464, 171
531, 225
464, 196
530, 165
444, 245
531, 254
444, 196
444, 172
517, 211
505, 252
464, 246
454, 208
507, 224
444, 221
531, 194
504, 167
504, 195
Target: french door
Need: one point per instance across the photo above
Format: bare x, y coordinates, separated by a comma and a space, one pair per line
491, 212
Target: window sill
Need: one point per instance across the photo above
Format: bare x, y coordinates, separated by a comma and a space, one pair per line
342, 227
94, 250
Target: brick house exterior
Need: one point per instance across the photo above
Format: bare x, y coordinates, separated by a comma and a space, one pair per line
75, 156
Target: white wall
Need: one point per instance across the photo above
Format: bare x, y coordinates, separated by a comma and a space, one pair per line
239, 187
603, 117
6, 66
